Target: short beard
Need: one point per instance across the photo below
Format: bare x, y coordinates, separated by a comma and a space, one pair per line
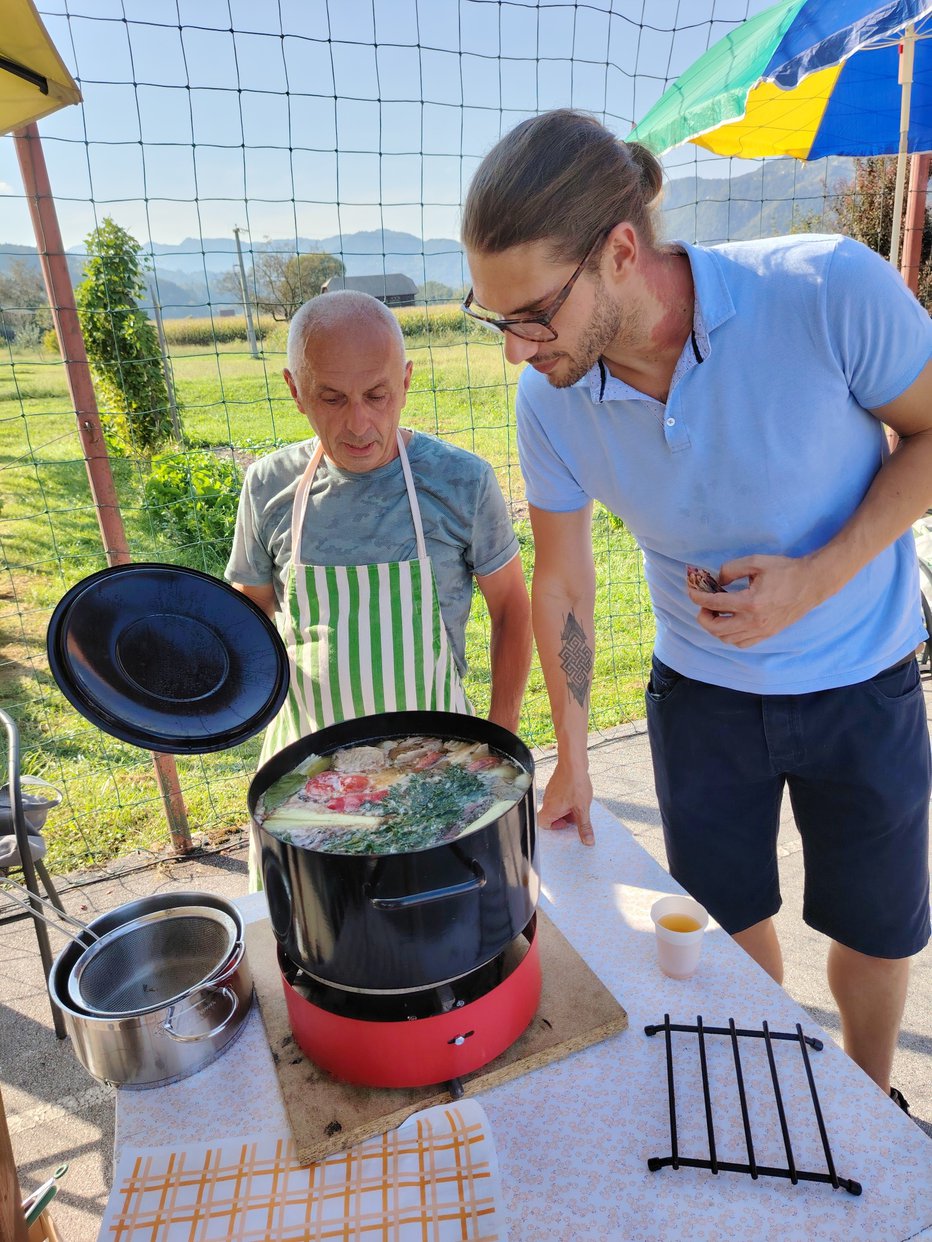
607, 321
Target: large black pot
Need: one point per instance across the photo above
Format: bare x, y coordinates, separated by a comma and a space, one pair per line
402, 921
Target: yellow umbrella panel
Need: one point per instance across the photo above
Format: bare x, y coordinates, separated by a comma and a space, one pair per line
776, 122
33, 77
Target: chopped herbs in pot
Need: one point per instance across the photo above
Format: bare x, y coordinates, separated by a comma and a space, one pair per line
404, 794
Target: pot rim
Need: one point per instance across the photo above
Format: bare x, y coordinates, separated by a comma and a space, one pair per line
155, 1016
66, 960
93, 951
399, 724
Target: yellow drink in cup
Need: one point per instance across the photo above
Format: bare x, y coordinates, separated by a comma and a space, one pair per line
679, 923
679, 926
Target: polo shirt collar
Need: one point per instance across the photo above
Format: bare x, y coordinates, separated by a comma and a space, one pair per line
713, 297
714, 305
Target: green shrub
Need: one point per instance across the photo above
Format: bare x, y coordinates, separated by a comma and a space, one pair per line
214, 330
192, 497
121, 342
50, 342
30, 333
263, 446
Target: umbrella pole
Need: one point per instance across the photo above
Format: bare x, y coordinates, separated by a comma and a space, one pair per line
57, 279
915, 219
907, 48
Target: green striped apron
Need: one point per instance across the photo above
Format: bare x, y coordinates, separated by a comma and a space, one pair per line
361, 639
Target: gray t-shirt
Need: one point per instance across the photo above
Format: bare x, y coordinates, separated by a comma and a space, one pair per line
361, 519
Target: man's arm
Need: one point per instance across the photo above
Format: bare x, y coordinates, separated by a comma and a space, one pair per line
264, 596
783, 589
563, 607
505, 593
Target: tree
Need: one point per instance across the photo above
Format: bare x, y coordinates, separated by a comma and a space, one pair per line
24, 309
281, 281
863, 209
122, 346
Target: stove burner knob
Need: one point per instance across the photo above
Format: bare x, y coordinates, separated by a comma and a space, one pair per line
458, 1040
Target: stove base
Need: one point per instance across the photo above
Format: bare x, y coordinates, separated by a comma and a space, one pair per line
420, 1051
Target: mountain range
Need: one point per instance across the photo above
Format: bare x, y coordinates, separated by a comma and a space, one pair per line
760, 203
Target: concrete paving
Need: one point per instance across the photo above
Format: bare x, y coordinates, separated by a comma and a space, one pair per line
57, 1113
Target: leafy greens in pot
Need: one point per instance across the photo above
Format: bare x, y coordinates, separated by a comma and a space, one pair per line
404, 794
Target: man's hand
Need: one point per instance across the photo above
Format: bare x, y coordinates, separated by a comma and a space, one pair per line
567, 800
780, 590
264, 596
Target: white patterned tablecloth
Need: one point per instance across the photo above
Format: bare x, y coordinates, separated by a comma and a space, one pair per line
573, 1138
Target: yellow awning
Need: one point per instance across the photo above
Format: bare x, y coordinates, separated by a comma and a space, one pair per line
33, 77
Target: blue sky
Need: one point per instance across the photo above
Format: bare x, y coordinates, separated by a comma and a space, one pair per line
319, 117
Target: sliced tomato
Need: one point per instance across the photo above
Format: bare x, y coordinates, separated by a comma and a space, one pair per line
352, 802
323, 784
328, 784
354, 781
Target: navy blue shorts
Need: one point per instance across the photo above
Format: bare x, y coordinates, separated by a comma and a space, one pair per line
857, 764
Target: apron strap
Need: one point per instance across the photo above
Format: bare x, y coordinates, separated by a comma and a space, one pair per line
412, 498
299, 508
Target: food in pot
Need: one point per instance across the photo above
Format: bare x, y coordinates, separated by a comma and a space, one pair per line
399, 795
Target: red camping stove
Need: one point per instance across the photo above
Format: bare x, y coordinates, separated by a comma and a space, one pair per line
417, 1037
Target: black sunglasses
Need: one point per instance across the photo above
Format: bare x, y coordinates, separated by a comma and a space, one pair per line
532, 327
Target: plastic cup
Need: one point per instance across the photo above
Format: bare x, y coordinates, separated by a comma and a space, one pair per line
678, 950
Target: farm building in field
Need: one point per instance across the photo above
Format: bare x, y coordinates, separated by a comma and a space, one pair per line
393, 288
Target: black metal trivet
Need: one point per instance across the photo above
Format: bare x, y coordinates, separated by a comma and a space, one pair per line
756, 1170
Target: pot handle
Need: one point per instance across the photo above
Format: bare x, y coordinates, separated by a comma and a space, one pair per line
433, 894
193, 1039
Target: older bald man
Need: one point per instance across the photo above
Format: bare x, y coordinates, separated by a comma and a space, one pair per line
363, 542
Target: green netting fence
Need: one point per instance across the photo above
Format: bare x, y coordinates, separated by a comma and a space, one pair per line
253, 151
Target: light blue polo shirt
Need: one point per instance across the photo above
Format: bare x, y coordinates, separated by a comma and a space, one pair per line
763, 446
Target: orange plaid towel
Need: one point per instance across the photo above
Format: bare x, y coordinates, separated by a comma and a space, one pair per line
434, 1179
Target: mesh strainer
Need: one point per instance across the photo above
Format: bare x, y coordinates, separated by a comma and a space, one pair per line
155, 960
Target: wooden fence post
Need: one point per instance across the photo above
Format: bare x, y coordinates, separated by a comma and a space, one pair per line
77, 370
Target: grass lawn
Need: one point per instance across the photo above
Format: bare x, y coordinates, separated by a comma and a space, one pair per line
49, 539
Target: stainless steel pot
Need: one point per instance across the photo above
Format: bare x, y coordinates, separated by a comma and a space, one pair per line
159, 1045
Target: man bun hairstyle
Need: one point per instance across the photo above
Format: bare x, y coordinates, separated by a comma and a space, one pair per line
561, 177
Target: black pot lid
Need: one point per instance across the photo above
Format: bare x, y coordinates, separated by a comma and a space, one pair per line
167, 658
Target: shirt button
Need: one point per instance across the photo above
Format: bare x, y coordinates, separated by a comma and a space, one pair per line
671, 422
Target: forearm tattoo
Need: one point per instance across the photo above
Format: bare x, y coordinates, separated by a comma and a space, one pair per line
576, 659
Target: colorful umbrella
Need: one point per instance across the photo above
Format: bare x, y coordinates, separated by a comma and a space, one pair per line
808, 78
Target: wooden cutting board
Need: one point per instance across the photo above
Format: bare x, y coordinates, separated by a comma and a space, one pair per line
576, 1010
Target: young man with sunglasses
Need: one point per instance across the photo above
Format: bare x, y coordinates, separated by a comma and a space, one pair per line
727, 404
